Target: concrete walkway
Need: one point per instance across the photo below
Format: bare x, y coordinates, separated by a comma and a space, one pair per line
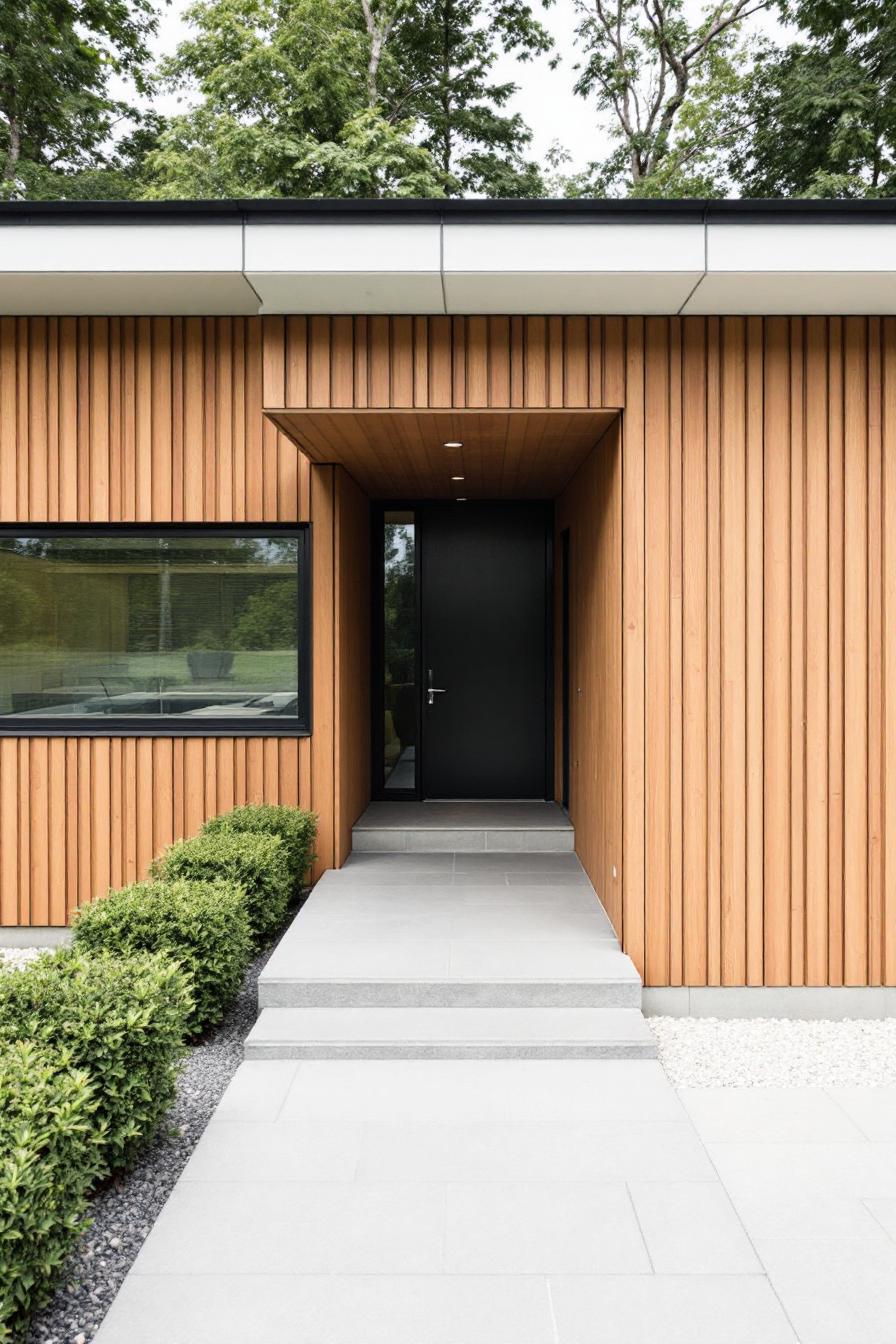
508, 1200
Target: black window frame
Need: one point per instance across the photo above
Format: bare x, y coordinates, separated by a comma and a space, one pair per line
176, 725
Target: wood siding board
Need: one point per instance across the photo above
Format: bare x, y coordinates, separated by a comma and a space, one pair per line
835, 657
889, 649
855, 642
875, 787
657, 637
694, 692
633, 646
816, 652
797, 656
777, 653
733, 654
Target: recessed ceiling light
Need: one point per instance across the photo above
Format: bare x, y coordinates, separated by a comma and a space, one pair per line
453, 443
461, 499
457, 478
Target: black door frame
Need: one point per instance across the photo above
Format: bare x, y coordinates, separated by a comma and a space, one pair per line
418, 507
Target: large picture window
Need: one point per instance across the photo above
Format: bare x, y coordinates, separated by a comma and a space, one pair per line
190, 629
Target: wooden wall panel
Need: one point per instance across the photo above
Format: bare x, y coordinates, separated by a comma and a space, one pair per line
140, 419
755, 769
117, 420
97, 810
591, 509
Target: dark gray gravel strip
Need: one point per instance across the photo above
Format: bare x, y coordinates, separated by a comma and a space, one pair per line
124, 1211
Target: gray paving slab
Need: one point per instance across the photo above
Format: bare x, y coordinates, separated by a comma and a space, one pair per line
668, 1309
768, 1114
330, 1309
691, 1227
538, 1227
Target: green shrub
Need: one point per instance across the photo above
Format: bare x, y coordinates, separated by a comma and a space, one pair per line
50, 1152
121, 1019
202, 925
296, 828
257, 863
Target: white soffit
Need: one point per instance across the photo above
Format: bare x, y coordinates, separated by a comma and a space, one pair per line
770, 269
345, 268
784, 293
123, 269
127, 294
571, 268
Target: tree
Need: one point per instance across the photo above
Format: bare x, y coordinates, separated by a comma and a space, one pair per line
446, 51
824, 108
285, 108
671, 89
348, 98
57, 58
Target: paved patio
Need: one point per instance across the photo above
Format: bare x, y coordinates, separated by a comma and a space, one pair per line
470, 1200
522, 1202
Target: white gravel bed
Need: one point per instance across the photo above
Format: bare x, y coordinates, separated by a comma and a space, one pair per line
776, 1052
124, 1210
14, 958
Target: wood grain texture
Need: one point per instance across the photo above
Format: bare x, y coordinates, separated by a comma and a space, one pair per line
749, 783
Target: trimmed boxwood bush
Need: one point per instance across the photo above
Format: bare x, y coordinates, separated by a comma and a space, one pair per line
121, 1019
258, 863
201, 925
296, 828
50, 1152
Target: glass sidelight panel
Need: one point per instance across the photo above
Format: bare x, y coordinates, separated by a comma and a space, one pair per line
400, 640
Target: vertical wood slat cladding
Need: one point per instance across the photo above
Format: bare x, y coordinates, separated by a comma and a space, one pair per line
757, 780
78, 815
123, 420
151, 419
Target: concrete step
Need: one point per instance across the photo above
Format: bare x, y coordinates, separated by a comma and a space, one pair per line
463, 828
405, 992
438, 840
450, 1033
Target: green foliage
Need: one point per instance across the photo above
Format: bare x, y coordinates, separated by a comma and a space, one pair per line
50, 1152
257, 863
122, 1020
445, 52
821, 113
296, 829
269, 618
57, 62
670, 86
365, 98
19, 610
201, 925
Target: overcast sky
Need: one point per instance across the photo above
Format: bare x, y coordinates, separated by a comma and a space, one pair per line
545, 99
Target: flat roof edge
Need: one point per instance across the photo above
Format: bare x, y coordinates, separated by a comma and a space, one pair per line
434, 211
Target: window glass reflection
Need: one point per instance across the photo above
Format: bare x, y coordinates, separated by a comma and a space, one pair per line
399, 651
194, 625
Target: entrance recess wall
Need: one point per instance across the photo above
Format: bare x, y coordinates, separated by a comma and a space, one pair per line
757, 642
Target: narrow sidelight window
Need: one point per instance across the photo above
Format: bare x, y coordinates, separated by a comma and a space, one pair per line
188, 629
400, 637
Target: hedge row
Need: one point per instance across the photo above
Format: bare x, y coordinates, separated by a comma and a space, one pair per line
91, 1036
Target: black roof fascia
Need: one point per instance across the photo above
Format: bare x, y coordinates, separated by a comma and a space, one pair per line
435, 211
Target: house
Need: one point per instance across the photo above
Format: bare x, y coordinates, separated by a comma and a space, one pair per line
318, 502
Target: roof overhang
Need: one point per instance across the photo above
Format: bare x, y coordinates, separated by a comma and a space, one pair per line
405, 454
740, 257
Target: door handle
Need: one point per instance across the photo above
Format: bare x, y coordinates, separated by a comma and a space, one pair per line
433, 691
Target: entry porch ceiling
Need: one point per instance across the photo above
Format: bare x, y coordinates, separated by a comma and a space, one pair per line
401, 454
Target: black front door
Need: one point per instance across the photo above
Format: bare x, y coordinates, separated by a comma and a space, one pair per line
484, 586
